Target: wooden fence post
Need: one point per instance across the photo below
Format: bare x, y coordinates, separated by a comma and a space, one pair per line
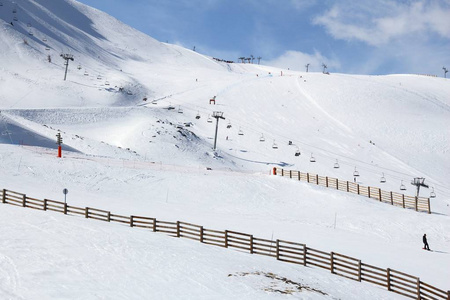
379, 194
368, 191
290, 174
86, 212
178, 228
392, 199
282, 172
131, 221
201, 234
418, 288
332, 262
307, 177
448, 295
45, 204
337, 183
4, 196
65, 208
359, 270
108, 216
326, 181
429, 208
317, 179
403, 200
347, 187
154, 225
388, 279
416, 200
278, 250
304, 255
357, 187
226, 238
24, 201
299, 175
251, 244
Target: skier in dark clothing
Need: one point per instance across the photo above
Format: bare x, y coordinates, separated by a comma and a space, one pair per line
425, 242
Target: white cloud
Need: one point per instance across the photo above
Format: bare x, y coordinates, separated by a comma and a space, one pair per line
379, 22
296, 60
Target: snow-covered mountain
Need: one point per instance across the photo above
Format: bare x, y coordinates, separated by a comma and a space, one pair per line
138, 132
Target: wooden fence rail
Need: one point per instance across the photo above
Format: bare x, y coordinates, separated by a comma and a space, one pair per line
286, 251
417, 203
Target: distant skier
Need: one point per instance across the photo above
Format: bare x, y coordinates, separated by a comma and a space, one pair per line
425, 242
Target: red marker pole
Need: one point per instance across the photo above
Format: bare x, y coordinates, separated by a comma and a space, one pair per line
59, 151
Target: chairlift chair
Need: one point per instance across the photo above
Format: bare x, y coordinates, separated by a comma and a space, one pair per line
274, 145
44, 39
171, 107
30, 32
229, 125
336, 164
180, 110
198, 116
99, 77
383, 179
297, 153
262, 139
240, 132
1, 3
209, 119
86, 73
355, 173
79, 67
312, 159
106, 82
15, 18
402, 186
47, 48
432, 194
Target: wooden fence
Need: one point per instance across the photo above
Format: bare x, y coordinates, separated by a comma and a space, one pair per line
286, 251
401, 200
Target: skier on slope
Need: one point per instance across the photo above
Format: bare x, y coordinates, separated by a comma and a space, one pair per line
425, 242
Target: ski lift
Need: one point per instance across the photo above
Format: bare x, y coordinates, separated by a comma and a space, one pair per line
198, 116
262, 139
432, 194
402, 186
383, 179
209, 119
106, 82
336, 164
14, 11
180, 110
240, 132
15, 18
28, 24
30, 32
86, 73
297, 153
229, 125
47, 48
355, 173
274, 145
312, 159
44, 39
99, 77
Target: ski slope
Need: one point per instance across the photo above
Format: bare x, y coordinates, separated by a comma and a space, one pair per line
134, 156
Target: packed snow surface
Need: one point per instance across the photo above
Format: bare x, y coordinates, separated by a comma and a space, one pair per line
138, 132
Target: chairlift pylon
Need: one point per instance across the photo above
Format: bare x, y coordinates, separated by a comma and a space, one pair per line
312, 159
432, 194
402, 186
382, 179
262, 139
355, 173
336, 164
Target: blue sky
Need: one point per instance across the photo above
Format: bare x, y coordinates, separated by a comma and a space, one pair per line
360, 37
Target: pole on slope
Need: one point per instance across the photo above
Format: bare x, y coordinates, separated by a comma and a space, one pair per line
218, 115
66, 57
59, 142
